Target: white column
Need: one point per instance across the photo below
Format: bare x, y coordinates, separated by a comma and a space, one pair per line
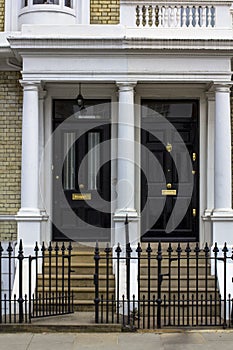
29, 216
222, 217
30, 147
222, 166
126, 148
126, 184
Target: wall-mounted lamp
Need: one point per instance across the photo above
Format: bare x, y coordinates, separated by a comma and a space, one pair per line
80, 99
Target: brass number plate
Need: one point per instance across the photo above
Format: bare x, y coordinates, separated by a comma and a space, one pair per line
81, 196
168, 192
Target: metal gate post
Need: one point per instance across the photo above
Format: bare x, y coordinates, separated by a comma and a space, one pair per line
160, 278
20, 299
225, 250
96, 282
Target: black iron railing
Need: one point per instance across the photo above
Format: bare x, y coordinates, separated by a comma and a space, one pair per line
41, 283
172, 286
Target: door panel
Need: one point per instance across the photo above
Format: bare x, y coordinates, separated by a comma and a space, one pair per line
183, 115
78, 212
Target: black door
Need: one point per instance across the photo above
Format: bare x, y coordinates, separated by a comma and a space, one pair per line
81, 185
170, 133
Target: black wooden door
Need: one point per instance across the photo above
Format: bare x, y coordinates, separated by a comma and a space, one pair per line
81, 197
177, 122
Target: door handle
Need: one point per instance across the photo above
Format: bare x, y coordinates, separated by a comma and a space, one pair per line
169, 185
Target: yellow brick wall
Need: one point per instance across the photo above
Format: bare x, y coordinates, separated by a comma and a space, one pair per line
10, 149
105, 11
2, 8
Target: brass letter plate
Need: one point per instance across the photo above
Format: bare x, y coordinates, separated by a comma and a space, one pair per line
168, 192
81, 196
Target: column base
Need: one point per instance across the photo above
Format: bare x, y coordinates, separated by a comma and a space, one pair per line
29, 228
222, 226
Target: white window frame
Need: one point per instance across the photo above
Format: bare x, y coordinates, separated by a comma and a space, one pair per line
12, 8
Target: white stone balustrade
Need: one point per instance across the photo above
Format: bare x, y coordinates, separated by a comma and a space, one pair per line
176, 14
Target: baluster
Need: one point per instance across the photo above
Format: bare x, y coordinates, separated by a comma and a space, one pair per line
203, 16
165, 16
178, 17
150, 16
160, 16
171, 19
213, 16
140, 16
143, 16
190, 16
155, 16
197, 16
184, 16
137, 16
147, 16
209, 16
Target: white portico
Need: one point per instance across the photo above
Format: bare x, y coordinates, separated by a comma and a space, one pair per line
177, 53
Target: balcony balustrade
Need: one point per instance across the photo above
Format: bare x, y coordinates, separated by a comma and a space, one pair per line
185, 16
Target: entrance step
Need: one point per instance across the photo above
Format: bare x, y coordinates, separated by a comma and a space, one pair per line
82, 269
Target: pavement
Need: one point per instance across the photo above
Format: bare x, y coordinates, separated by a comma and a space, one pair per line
183, 340
79, 331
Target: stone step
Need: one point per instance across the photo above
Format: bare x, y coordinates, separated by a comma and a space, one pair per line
79, 292
75, 280
183, 281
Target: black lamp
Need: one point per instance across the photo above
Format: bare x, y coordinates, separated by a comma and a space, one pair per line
80, 99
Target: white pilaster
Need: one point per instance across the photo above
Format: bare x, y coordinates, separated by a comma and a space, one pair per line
210, 150
83, 11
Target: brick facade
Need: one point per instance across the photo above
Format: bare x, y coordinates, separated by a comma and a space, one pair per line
2, 9
105, 11
10, 149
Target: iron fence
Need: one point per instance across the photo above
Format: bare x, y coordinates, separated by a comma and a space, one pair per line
35, 286
170, 286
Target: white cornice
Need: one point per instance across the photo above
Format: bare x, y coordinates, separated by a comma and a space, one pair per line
25, 43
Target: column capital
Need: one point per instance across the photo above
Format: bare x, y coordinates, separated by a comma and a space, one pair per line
222, 87
31, 85
126, 85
